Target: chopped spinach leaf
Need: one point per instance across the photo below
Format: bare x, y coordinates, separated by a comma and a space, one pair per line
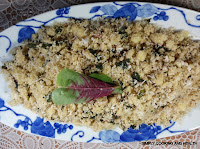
49, 100
141, 93
92, 117
115, 117
125, 35
57, 43
122, 30
92, 51
136, 76
113, 51
112, 122
48, 97
160, 50
121, 84
31, 45
123, 63
118, 63
58, 29
129, 106
99, 66
121, 52
45, 45
127, 60
98, 57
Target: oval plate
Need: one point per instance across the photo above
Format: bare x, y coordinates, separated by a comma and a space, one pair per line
24, 120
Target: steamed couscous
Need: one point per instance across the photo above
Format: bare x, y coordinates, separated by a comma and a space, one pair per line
158, 70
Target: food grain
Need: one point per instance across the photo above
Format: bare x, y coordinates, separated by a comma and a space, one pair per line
157, 68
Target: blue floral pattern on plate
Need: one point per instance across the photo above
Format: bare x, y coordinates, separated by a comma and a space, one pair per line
146, 10
38, 126
161, 16
144, 132
113, 10
130, 10
134, 10
25, 33
43, 129
62, 11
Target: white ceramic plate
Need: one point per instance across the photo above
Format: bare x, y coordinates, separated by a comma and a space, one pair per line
24, 120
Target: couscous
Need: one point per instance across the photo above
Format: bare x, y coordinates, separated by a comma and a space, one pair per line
158, 70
